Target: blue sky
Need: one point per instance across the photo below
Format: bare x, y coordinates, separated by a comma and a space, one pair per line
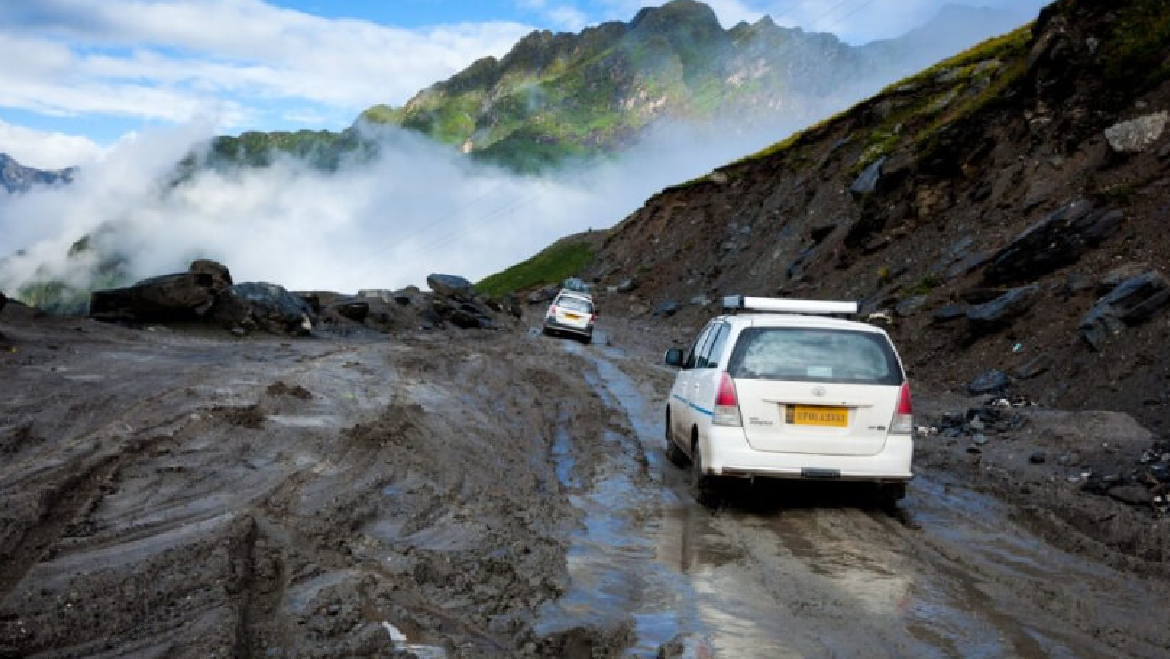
93, 72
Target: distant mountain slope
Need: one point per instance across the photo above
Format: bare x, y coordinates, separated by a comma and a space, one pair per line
1007, 208
15, 177
559, 95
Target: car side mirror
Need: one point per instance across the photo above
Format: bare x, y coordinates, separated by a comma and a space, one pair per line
674, 357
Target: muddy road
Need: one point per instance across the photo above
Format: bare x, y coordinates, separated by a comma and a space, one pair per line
173, 493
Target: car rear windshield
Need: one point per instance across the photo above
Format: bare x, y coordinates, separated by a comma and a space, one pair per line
814, 355
575, 304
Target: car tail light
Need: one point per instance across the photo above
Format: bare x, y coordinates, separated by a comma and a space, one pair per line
903, 423
726, 404
592, 319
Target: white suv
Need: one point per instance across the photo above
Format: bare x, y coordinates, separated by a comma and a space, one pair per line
571, 313
780, 388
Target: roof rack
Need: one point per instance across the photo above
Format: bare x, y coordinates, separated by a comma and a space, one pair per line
739, 303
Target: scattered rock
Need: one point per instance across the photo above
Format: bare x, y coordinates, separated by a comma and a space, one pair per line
910, 305
867, 181
263, 306
701, 300
3, 301
949, 312
452, 286
998, 313
1115, 277
1136, 135
1054, 242
1133, 301
1038, 458
993, 381
627, 285
542, 295
1034, 367
666, 309
686, 646
355, 311
979, 440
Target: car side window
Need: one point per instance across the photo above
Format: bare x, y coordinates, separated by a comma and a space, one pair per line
692, 354
714, 349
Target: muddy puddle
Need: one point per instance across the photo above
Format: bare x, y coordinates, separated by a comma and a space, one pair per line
783, 570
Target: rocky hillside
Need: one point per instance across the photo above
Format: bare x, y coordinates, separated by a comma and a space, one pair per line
1007, 208
15, 177
562, 95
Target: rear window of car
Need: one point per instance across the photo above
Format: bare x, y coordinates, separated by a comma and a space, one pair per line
575, 304
814, 355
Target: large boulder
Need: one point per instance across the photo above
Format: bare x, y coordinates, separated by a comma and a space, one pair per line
998, 313
1054, 242
452, 286
168, 298
262, 306
993, 381
1131, 302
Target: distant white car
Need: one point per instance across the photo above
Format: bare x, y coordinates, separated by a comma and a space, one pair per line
780, 388
571, 313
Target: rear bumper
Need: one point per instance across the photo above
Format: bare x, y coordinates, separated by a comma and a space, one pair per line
561, 327
730, 455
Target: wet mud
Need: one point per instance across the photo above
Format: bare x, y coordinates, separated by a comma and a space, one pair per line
474, 494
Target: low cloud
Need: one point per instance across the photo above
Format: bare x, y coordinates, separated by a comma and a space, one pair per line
46, 150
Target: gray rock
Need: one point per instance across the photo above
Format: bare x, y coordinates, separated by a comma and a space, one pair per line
993, 381
1115, 277
910, 305
542, 295
452, 286
980, 440
627, 285
949, 312
686, 646
263, 306
1034, 367
1136, 135
355, 311
1000, 312
1133, 301
1038, 458
666, 309
3, 301
1054, 242
701, 300
867, 181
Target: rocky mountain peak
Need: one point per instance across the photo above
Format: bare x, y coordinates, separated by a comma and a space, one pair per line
15, 177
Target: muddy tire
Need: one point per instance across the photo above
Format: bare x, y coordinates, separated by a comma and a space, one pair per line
586, 340
546, 331
673, 452
702, 483
889, 494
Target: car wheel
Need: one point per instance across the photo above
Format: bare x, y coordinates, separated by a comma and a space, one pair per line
702, 483
587, 340
889, 494
673, 452
546, 331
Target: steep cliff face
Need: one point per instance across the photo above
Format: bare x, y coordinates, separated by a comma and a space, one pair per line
1008, 208
561, 95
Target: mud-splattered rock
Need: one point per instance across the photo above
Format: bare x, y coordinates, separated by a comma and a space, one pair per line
1134, 495
1034, 367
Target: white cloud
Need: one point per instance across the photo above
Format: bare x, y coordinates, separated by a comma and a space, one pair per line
169, 60
45, 150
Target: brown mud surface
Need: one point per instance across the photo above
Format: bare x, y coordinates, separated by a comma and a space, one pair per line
484, 494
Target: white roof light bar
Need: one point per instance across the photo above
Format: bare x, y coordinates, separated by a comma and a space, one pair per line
740, 303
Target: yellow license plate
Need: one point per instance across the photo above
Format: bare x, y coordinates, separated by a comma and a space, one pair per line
572, 316
817, 415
